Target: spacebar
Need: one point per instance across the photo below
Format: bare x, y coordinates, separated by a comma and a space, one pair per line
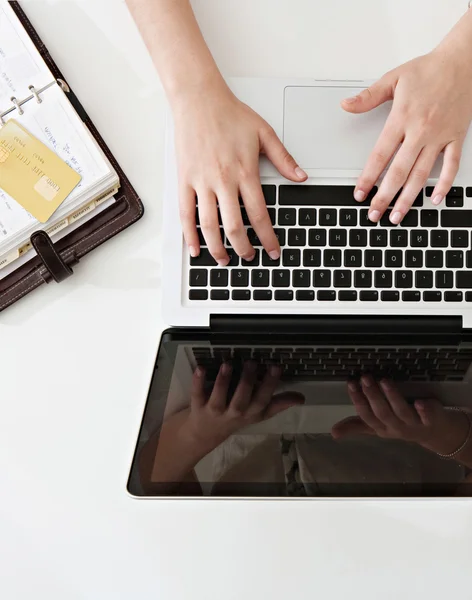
456, 218
317, 195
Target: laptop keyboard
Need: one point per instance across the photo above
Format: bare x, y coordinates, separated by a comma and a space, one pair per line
341, 363
332, 252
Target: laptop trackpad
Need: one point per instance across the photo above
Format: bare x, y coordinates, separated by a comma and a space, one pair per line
321, 135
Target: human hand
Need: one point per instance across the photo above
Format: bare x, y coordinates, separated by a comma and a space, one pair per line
218, 142
431, 113
383, 411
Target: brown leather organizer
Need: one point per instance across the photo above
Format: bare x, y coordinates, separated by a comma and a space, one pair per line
54, 261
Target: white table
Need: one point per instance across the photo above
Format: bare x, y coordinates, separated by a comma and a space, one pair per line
76, 358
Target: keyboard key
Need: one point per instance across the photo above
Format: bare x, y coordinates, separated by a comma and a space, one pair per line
404, 279
219, 294
418, 200
429, 191
385, 220
280, 234
332, 258
283, 295
312, 258
369, 296
305, 295
316, 195
348, 218
338, 237
328, 217
469, 260
241, 295
233, 258
268, 262
411, 296
398, 238
317, 237
326, 296
297, 237
219, 277
198, 277
390, 296
383, 279
252, 263
444, 279
434, 259
394, 258
464, 280
378, 238
347, 296
205, 259
432, 296
253, 238
362, 279
342, 279
414, 259
424, 279
198, 295
460, 239
358, 238
469, 192
455, 198
307, 217
429, 218
321, 278
291, 258
453, 296
455, 259
269, 192
418, 238
239, 277
353, 258
373, 258
439, 239
262, 295
280, 278
410, 219
456, 218
260, 278
364, 220
468, 295
287, 216
301, 278
201, 238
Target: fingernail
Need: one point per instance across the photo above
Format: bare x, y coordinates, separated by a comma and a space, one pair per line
352, 385
396, 217
366, 381
193, 252
437, 199
374, 216
226, 369
199, 372
359, 195
250, 258
350, 100
385, 383
223, 262
300, 173
274, 255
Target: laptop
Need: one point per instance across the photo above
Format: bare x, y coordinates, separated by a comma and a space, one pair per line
347, 298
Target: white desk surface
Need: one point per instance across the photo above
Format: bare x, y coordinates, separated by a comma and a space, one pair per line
76, 358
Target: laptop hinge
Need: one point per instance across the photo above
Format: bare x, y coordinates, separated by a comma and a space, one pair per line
342, 324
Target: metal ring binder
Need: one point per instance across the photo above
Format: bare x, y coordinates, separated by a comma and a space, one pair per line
35, 94
17, 105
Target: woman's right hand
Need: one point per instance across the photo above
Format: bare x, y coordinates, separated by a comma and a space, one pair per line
218, 143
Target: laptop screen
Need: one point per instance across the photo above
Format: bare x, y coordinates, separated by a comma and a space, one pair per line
227, 416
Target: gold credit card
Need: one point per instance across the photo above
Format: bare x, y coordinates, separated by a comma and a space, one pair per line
33, 174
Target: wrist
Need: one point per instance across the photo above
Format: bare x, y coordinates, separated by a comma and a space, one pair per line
197, 91
454, 432
456, 47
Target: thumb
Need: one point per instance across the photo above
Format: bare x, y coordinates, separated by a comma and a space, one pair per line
282, 402
375, 95
279, 156
350, 426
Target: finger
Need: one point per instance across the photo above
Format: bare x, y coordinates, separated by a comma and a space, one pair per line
197, 396
415, 184
256, 208
263, 396
219, 393
283, 402
363, 408
452, 160
279, 156
400, 407
386, 146
208, 213
395, 178
429, 411
187, 204
350, 426
381, 409
243, 394
233, 224
375, 95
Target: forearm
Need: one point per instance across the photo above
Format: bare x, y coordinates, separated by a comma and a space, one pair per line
177, 47
458, 42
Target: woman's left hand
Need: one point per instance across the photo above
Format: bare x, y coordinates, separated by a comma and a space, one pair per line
431, 113
384, 412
